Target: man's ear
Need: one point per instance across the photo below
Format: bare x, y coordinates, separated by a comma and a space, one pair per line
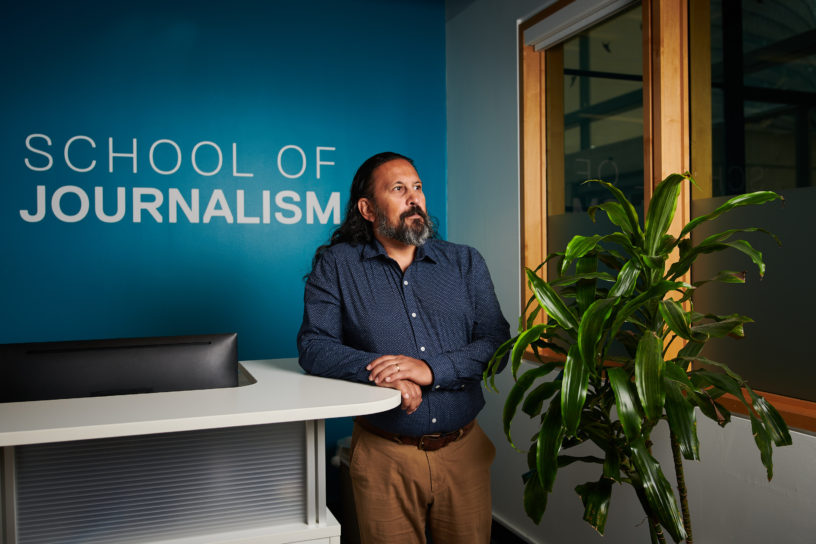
366, 209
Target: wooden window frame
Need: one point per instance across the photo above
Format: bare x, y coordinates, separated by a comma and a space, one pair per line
671, 131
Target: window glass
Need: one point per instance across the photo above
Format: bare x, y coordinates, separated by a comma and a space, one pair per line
763, 128
600, 123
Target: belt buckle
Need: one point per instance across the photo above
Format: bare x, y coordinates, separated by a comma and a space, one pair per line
422, 438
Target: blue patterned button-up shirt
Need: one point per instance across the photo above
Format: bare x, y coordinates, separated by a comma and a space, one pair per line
359, 305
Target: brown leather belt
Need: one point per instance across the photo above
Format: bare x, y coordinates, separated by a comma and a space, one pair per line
426, 442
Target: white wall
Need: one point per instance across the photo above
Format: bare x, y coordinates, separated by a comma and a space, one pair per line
731, 501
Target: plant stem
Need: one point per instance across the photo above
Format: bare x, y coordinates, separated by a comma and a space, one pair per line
656, 532
681, 486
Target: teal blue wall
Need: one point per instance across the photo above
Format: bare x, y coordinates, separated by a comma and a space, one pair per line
255, 80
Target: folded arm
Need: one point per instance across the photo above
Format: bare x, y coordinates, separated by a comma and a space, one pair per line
455, 368
322, 351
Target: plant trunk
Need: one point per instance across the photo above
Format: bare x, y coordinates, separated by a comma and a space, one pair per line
681, 487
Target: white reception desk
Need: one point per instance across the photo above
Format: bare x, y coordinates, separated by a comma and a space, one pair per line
235, 465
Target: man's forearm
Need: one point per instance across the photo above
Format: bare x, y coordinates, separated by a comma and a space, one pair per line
326, 358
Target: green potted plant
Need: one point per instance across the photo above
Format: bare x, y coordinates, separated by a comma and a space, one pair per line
614, 309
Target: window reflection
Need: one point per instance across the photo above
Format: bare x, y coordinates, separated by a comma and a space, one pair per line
763, 97
603, 111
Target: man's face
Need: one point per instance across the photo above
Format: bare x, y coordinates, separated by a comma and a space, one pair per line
397, 209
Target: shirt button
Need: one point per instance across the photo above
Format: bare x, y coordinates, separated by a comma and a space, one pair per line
433, 420
413, 314
422, 348
405, 282
437, 387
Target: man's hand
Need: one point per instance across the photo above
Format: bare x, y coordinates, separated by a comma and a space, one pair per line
390, 368
411, 394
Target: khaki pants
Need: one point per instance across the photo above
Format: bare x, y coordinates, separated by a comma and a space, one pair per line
399, 488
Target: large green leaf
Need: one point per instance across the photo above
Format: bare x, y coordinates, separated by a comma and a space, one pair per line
656, 264
585, 289
763, 442
682, 421
649, 375
611, 468
661, 211
632, 225
710, 408
684, 263
548, 444
615, 212
547, 342
718, 329
534, 401
674, 371
657, 490
525, 322
524, 339
596, 496
627, 280
591, 331
758, 197
776, 426
724, 276
530, 321
517, 393
623, 241
577, 248
698, 397
720, 381
727, 234
575, 278
573, 390
625, 402
666, 245
550, 301
745, 247
676, 318
535, 498
495, 363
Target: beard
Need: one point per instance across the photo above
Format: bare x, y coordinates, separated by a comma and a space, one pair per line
414, 233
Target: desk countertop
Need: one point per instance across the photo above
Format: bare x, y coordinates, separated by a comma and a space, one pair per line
281, 393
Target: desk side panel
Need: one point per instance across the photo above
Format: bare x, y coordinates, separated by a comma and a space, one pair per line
160, 487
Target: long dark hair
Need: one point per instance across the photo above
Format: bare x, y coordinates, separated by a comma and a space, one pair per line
355, 229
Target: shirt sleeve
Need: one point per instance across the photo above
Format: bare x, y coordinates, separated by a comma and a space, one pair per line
455, 368
320, 339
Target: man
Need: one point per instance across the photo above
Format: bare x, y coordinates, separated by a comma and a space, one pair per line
388, 304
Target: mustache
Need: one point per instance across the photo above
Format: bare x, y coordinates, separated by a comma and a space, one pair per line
414, 210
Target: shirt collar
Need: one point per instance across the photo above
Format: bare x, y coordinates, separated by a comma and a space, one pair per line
425, 252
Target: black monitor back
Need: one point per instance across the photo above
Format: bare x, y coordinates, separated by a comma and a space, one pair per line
87, 368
